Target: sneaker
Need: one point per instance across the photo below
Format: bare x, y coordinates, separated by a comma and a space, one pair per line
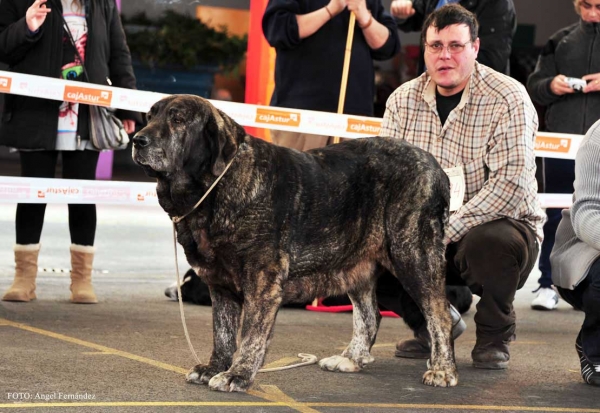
546, 299
491, 355
590, 372
419, 347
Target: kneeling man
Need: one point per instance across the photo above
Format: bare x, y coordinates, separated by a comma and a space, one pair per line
482, 122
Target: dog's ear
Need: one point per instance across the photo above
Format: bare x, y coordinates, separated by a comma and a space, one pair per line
213, 144
220, 132
196, 151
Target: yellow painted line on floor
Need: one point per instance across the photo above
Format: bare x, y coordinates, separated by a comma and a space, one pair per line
270, 393
97, 353
455, 407
139, 404
384, 345
512, 343
304, 405
95, 346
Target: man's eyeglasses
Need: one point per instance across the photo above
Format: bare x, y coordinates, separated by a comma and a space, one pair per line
453, 48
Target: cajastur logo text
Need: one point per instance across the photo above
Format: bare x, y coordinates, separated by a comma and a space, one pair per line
368, 127
87, 95
277, 117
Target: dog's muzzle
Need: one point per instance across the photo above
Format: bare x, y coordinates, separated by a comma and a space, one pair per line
140, 141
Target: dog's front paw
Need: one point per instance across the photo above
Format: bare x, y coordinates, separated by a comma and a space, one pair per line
201, 374
339, 363
229, 382
440, 378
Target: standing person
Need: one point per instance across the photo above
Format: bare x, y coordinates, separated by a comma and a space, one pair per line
575, 257
497, 25
310, 38
33, 41
483, 122
573, 51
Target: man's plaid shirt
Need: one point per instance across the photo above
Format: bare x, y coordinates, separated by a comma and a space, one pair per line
490, 134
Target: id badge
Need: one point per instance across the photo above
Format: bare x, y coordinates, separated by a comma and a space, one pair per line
457, 186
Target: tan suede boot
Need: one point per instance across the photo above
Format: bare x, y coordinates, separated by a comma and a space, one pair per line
82, 291
26, 268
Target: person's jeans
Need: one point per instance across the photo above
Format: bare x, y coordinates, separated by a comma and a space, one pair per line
559, 175
494, 260
586, 297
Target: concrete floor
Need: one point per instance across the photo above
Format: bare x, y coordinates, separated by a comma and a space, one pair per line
128, 353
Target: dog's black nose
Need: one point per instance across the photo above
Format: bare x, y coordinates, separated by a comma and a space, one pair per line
140, 141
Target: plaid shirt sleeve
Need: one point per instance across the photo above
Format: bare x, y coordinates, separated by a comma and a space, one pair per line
507, 192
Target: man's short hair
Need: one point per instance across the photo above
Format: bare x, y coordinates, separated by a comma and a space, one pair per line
449, 15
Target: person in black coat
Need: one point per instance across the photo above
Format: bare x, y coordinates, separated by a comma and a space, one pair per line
309, 38
34, 41
497, 26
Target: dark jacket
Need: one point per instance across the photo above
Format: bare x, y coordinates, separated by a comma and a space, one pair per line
308, 72
574, 52
497, 24
31, 123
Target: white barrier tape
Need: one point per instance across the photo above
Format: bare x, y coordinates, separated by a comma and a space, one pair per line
320, 123
549, 145
75, 191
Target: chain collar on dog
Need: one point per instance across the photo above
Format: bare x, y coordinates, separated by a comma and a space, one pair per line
177, 220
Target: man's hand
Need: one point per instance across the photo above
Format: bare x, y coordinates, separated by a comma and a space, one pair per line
593, 83
402, 9
559, 86
336, 6
36, 15
359, 8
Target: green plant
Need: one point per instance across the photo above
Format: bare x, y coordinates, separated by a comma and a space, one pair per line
179, 40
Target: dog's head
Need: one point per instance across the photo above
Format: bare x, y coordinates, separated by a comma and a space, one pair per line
186, 133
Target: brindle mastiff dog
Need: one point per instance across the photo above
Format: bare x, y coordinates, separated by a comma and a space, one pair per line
284, 225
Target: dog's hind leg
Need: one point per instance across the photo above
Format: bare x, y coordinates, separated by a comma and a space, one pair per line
227, 310
366, 319
421, 272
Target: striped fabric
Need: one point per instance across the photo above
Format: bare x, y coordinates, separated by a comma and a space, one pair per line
490, 134
577, 243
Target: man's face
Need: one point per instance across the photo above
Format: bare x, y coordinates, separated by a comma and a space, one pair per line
590, 10
451, 67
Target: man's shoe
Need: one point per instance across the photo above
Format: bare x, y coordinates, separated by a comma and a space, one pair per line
419, 347
491, 355
590, 372
546, 299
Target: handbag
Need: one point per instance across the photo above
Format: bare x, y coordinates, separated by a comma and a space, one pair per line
106, 130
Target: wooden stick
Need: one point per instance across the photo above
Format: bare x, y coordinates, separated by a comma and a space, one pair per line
336, 139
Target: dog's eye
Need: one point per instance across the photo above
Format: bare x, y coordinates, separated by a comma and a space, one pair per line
176, 117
